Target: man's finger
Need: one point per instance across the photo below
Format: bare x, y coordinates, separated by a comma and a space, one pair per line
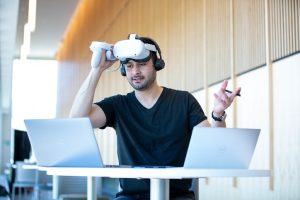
224, 85
236, 92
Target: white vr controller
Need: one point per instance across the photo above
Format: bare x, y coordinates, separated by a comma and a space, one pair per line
96, 48
123, 50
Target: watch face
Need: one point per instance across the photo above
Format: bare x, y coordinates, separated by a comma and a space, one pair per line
223, 117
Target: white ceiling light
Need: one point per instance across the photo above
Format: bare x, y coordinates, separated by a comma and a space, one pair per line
32, 15
29, 27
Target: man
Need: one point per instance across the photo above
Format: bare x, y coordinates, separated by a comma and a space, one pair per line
153, 123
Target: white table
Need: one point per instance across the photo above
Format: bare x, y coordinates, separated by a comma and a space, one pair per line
159, 177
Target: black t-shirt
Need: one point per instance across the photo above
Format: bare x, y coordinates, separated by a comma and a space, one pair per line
157, 136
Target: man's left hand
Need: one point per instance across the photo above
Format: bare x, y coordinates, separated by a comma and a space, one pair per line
224, 99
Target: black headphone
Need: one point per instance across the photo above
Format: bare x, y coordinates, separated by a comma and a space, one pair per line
159, 63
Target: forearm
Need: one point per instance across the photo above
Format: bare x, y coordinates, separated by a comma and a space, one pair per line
205, 123
82, 104
218, 124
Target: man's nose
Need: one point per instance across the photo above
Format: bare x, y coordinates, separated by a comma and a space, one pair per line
136, 69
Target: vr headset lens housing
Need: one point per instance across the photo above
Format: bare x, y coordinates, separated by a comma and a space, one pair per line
133, 49
136, 60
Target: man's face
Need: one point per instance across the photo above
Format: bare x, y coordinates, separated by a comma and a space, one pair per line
140, 75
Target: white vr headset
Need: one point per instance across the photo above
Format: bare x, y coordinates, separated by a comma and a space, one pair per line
133, 49
125, 50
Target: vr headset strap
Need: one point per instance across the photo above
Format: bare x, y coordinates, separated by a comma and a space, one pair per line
149, 47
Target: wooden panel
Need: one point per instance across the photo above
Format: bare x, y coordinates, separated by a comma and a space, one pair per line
91, 20
194, 39
287, 128
177, 26
218, 40
175, 45
249, 34
284, 25
194, 35
286, 135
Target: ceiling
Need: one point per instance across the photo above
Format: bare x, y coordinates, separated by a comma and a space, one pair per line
52, 19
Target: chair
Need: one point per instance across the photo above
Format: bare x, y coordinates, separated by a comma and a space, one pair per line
25, 181
30, 182
43, 183
4, 187
74, 188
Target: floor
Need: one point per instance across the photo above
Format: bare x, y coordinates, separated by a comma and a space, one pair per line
43, 194
48, 196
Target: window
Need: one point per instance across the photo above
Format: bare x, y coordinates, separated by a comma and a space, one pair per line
34, 90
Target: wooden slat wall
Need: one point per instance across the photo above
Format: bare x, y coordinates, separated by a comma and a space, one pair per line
171, 23
202, 42
284, 27
249, 34
217, 40
91, 20
177, 25
196, 38
193, 42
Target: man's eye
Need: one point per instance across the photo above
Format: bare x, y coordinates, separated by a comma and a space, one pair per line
142, 64
128, 66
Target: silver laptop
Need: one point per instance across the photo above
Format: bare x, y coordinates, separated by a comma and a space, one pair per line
68, 142
221, 148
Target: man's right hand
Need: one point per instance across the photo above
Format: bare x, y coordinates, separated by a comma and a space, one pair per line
104, 63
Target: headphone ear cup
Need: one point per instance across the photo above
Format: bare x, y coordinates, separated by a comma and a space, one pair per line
122, 70
159, 64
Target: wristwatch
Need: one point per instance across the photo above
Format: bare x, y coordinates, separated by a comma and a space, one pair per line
219, 119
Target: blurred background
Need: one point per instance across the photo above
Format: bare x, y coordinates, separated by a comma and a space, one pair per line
255, 44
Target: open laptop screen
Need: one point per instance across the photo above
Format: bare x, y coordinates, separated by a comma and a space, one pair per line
68, 142
221, 148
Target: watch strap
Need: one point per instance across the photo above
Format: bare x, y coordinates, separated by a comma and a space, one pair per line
219, 119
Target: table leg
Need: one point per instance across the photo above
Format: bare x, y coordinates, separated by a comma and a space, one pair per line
196, 188
55, 186
91, 188
36, 184
159, 189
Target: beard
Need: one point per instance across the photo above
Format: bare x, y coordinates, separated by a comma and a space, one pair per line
145, 82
